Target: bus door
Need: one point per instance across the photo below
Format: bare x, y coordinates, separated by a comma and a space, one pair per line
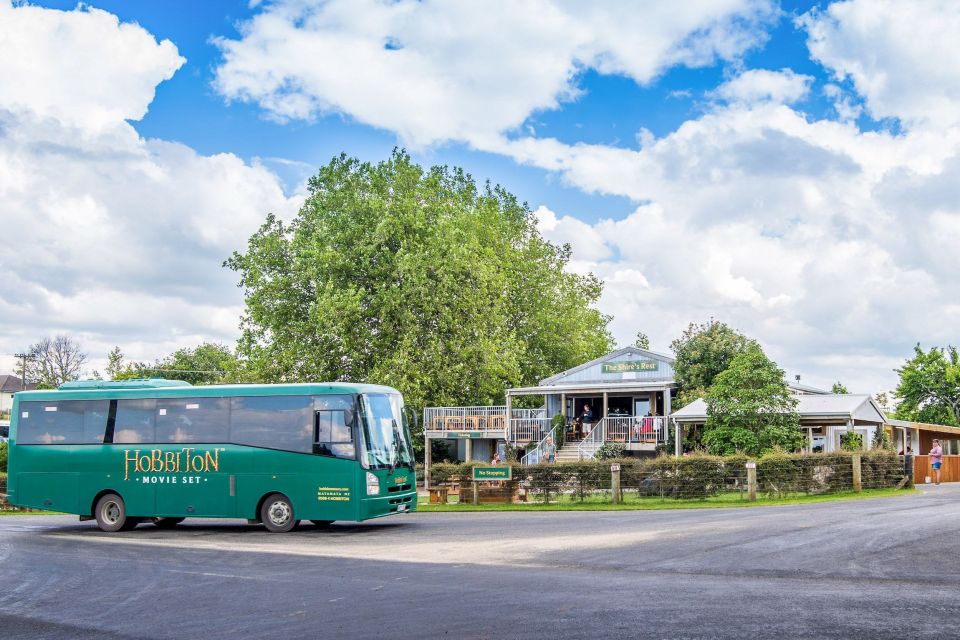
335, 456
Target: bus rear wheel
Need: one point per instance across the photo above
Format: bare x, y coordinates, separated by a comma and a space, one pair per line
276, 513
166, 523
111, 514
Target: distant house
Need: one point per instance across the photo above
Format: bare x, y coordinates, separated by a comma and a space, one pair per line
10, 385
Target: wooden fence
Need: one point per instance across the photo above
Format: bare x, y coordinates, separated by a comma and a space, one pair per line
949, 471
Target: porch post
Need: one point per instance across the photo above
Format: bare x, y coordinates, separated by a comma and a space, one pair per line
427, 459
809, 439
666, 402
508, 428
468, 449
678, 439
604, 405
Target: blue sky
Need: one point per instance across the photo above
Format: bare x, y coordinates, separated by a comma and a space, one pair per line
786, 167
611, 109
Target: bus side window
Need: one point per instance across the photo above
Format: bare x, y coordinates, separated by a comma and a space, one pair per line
63, 422
333, 433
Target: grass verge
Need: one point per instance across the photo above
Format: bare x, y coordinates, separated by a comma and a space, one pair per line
634, 503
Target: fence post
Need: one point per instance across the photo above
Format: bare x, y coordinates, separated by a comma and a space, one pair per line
908, 468
857, 484
752, 481
615, 483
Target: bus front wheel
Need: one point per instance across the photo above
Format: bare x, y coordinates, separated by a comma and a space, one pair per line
111, 514
276, 513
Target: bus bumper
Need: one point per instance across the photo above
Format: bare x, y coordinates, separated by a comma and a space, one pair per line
388, 505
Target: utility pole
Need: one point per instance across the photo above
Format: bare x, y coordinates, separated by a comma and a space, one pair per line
23, 368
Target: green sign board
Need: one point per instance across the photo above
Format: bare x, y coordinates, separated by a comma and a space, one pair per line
492, 473
630, 366
464, 434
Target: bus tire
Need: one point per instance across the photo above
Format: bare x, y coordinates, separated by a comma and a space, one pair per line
111, 513
322, 523
166, 523
276, 513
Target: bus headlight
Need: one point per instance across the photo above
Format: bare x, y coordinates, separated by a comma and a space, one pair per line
373, 485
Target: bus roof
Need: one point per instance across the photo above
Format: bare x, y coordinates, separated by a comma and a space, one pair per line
137, 389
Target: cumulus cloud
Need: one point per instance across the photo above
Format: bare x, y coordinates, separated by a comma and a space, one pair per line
762, 85
899, 56
118, 239
81, 68
798, 232
434, 71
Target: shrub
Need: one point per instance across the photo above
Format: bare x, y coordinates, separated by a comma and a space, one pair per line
780, 473
3, 457
610, 451
851, 441
560, 432
696, 476
880, 468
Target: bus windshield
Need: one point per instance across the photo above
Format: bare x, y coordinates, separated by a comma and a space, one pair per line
386, 435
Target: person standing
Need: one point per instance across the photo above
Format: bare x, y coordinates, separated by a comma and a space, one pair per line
550, 451
936, 459
587, 418
496, 457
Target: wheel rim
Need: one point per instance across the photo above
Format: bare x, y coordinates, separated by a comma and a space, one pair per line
279, 513
110, 512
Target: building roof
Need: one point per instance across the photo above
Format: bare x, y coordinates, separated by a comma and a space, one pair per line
13, 384
847, 406
608, 357
924, 426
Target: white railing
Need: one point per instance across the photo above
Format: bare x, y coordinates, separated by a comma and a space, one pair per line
637, 430
465, 418
589, 446
536, 455
528, 429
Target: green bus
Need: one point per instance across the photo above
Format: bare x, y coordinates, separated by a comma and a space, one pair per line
163, 450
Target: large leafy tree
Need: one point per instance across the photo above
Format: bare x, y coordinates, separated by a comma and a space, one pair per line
750, 409
929, 388
702, 352
417, 278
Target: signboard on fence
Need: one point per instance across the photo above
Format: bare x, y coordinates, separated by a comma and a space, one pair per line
464, 434
492, 473
631, 366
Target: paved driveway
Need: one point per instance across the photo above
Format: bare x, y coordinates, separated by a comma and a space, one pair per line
874, 568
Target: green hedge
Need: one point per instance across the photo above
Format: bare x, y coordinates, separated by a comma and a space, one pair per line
696, 476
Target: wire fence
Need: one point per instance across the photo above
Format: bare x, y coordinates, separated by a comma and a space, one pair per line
697, 477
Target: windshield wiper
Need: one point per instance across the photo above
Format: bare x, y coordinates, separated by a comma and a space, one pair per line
396, 446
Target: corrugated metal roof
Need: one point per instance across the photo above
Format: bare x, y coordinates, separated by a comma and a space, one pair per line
859, 407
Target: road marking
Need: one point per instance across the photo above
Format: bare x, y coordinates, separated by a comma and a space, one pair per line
212, 575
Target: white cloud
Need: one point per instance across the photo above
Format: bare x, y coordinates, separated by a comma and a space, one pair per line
434, 71
819, 239
119, 239
762, 85
80, 67
901, 57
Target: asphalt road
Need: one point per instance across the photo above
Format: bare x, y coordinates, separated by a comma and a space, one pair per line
878, 568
